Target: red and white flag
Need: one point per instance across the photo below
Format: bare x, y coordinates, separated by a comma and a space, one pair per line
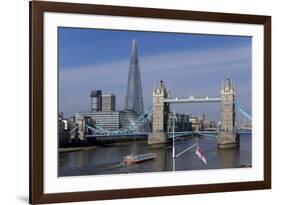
199, 153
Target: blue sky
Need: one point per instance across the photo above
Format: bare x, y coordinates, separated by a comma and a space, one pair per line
191, 64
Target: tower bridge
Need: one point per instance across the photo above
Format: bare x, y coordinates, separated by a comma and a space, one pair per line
227, 136
157, 113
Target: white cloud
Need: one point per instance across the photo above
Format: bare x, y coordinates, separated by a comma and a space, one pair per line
196, 72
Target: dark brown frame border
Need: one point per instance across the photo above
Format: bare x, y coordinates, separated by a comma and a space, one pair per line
37, 9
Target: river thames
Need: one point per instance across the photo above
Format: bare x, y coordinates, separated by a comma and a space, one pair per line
108, 159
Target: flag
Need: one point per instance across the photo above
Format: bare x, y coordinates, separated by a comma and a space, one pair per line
199, 153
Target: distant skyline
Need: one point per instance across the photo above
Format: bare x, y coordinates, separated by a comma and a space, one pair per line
190, 64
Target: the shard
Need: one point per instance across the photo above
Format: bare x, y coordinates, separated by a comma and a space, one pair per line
134, 101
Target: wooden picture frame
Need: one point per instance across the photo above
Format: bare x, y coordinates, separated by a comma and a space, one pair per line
37, 9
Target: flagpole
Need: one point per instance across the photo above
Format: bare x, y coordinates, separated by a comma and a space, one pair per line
174, 149
186, 149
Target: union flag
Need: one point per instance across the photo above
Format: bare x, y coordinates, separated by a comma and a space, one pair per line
199, 153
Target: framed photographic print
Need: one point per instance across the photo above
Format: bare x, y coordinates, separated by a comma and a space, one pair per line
136, 102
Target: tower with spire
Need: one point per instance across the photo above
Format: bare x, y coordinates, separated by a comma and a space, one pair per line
160, 115
228, 106
227, 137
134, 99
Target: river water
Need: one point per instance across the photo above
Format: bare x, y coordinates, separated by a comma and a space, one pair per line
108, 160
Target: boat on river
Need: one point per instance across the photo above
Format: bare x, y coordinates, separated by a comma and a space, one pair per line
132, 158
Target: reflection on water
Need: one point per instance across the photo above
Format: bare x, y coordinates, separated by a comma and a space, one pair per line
108, 160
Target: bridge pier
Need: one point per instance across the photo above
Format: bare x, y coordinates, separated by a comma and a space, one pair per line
227, 137
157, 138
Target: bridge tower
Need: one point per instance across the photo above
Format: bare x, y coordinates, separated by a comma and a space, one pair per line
160, 115
227, 137
81, 129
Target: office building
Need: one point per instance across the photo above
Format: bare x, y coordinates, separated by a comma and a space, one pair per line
134, 100
182, 123
129, 119
96, 100
107, 120
108, 102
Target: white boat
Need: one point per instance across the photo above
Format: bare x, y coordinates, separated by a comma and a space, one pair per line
132, 159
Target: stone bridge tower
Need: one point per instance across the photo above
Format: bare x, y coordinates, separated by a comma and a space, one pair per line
160, 115
227, 137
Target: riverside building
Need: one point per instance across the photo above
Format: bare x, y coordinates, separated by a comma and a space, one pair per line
108, 120
108, 102
103, 112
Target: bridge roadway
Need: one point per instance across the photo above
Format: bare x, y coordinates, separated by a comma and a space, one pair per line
170, 134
